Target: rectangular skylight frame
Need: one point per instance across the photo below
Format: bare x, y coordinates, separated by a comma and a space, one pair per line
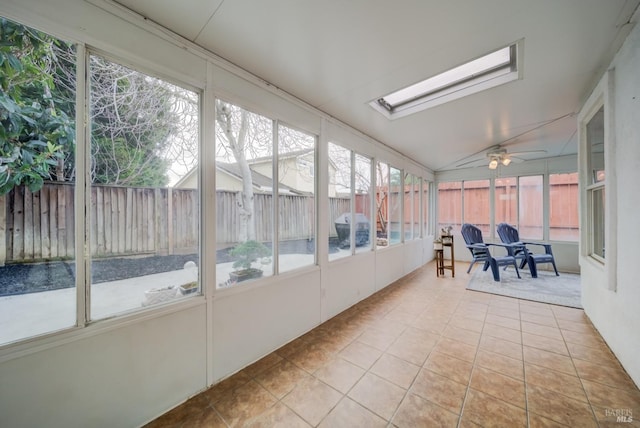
496, 68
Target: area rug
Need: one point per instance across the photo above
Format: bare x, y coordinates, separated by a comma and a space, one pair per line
561, 290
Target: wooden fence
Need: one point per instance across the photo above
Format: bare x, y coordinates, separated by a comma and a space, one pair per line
37, 226
123, 221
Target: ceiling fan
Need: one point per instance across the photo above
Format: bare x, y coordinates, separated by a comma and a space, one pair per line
499, 156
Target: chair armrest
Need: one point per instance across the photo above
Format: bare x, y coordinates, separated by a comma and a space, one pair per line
511, 248
547, 247
477, 246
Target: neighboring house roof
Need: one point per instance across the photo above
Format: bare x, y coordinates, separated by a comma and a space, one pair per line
260, 182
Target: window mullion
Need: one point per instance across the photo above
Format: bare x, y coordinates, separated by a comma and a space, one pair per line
276, 197
83, 187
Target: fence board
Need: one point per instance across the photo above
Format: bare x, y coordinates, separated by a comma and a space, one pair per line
45, 243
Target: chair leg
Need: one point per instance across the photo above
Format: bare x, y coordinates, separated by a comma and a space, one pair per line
471, 265
495, 269
553, 262
533, 268
515, 265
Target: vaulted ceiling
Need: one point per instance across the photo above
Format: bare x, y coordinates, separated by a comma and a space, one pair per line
339, 55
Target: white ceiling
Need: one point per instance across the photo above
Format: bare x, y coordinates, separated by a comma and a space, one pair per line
338, 55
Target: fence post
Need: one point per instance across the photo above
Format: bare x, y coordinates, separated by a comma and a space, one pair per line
3, 229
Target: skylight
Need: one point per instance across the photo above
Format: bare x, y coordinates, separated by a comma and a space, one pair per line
488, 71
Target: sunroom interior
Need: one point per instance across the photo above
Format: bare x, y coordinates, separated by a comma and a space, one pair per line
282, 125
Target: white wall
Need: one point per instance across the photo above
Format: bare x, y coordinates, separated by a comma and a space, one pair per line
129, 370
611, 298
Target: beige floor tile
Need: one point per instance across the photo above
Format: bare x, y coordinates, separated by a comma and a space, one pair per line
415, 411
614, 377
378, 339
280, 379
548, 320
312, 400
340, 374
277, 416
456, 349
378, 395
413, 352
537, 421
360, 354
541, 330
447, 366
395, 370
559, 408
503, 333
487, 411
545, 343
348, 413
499, 346
499, 363
503, 321
244, 403
439, 390
549, 360
559, 382
500, 386
612, 398
462, 335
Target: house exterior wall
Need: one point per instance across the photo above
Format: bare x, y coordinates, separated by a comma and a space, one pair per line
611, 293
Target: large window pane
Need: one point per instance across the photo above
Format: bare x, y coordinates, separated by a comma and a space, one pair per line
144, 216
244, 195
596, 187
595, 141
598, 221
416, 207
362, 179
296, 197
407, 196
425, 208
449, 206
382, 204
477, 210
530, 207
37, 183
396, 196
563, 207
506, 201
340, 218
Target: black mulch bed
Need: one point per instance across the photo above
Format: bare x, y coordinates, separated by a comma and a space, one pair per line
37, 277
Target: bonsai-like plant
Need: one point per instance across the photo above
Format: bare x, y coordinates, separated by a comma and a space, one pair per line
248, 252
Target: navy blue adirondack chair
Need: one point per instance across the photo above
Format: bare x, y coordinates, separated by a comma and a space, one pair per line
509, 235
480, 252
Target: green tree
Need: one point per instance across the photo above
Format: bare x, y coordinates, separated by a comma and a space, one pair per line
140, 126
34, 131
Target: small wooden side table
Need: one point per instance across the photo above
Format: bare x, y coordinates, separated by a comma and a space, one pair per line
439, 262
447, 241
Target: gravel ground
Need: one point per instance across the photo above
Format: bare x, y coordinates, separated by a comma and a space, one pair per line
36, 277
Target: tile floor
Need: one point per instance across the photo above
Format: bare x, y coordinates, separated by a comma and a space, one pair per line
425, 352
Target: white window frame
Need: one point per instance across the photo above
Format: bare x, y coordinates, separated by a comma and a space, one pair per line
602, 96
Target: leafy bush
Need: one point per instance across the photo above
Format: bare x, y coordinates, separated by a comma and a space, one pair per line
248, 252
